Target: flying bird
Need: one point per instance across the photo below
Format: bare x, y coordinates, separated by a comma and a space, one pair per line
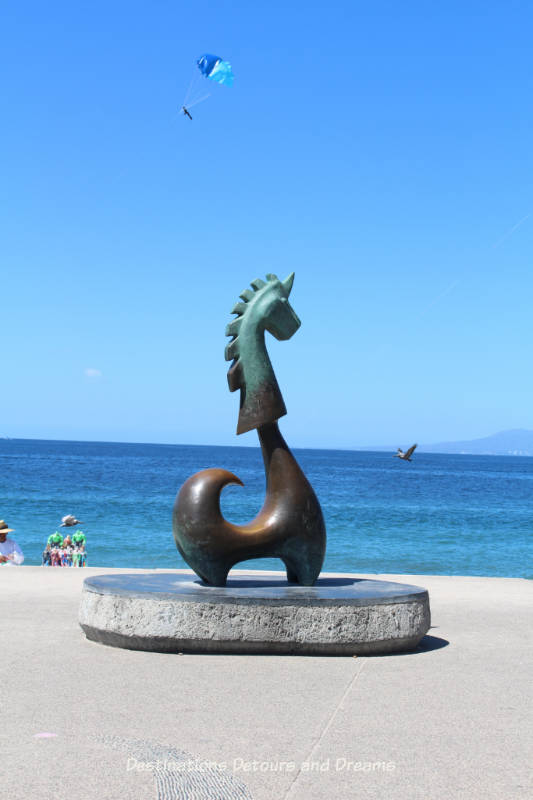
405, 456
69, 521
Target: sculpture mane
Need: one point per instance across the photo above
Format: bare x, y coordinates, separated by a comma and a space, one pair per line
264, 308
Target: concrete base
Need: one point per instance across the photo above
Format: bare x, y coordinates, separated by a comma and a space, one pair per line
254, 613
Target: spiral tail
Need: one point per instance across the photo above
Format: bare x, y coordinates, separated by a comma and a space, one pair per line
290, 525
200, 531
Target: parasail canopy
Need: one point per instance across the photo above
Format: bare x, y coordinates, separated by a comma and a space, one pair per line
216, 69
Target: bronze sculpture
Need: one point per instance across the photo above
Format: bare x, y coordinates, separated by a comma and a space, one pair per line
290, 525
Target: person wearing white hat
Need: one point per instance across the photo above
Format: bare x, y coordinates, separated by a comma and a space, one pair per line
10, 552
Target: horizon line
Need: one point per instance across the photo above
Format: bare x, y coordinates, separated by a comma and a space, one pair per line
354, 449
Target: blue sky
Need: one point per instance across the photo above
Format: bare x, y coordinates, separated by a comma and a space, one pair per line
382, 151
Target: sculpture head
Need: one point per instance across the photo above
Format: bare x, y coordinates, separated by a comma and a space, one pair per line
267, 307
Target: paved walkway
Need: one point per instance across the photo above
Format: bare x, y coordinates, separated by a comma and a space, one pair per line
80, 721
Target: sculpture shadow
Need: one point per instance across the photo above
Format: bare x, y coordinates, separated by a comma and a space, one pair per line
429, 643
271, 582
426, 645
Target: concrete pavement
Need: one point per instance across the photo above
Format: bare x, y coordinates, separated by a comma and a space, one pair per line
83, 721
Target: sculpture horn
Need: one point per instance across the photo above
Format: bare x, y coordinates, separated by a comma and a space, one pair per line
287, 284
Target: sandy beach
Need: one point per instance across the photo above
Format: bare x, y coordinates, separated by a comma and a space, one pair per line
451, 720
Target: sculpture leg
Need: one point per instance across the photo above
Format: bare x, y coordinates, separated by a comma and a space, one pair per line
212, 573
292, 577
304, 572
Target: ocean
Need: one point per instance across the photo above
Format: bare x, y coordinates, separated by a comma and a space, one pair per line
439, 514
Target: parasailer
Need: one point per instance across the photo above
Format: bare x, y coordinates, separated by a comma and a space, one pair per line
214, 69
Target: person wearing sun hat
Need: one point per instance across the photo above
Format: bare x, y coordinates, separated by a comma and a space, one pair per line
10, 552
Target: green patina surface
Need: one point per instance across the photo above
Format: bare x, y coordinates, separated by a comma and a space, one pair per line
265, 307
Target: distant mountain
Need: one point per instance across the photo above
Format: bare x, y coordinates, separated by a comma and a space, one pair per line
517, 442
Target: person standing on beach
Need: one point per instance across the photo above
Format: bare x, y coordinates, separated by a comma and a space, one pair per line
10, 552
79, 539
79, 555
55, 540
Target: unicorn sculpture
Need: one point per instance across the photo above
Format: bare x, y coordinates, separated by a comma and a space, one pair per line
290, 525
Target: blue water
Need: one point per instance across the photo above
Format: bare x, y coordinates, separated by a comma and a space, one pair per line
441, 514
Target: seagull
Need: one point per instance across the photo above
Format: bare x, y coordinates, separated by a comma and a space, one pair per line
69, 521
405, 456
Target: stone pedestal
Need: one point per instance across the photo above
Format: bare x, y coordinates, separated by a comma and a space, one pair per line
255, 613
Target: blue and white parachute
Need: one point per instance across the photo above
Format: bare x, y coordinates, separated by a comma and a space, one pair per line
214, 68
